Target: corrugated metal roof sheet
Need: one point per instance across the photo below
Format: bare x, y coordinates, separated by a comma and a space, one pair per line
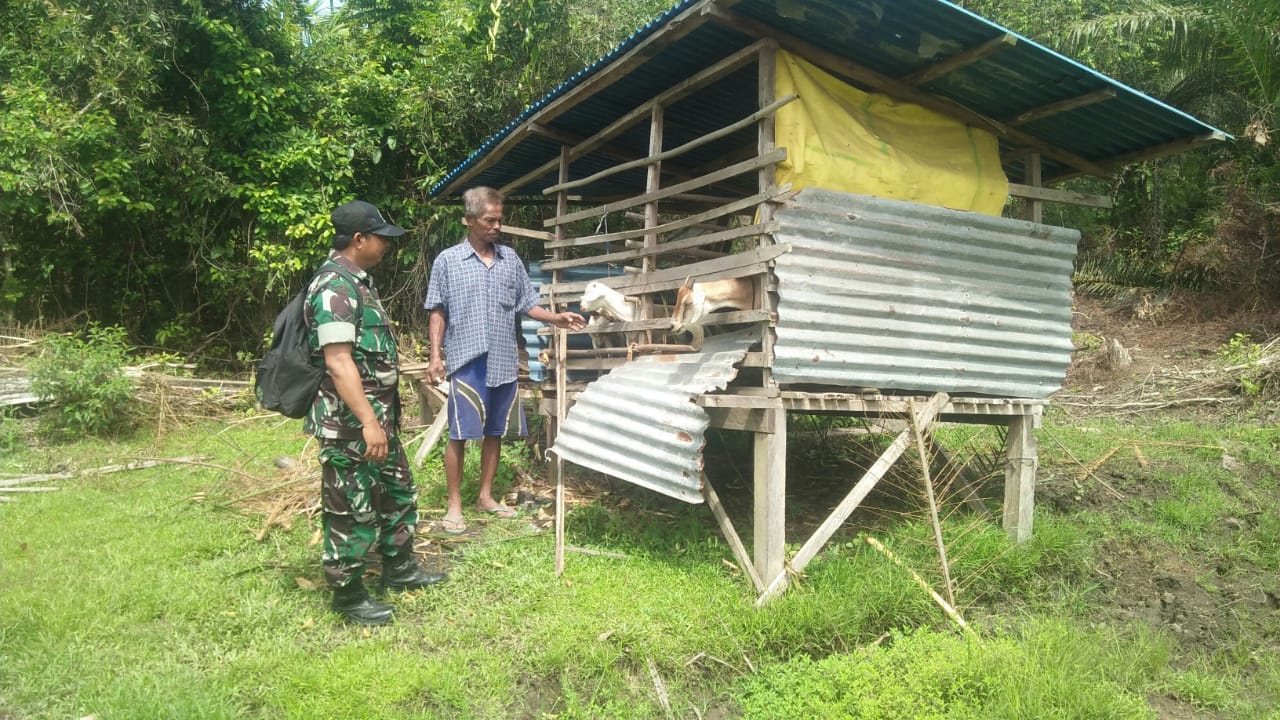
639, 423
896, 295
893, 38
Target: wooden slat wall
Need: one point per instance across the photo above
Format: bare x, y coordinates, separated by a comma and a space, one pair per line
671, 247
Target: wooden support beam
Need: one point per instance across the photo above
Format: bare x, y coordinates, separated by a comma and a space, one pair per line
717, 318
1066, 197
677, 151
1033, 209
766, 96
922, 419
1151, 153
748, 419
949, 65
730, 534
882, 83
752, 262
779, 194
1020, 477
734, 170
769, 450
525, 232
676, 28
1061, 106
648, 252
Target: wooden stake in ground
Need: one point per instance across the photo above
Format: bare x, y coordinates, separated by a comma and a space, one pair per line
933, 505
430, 437
562, 405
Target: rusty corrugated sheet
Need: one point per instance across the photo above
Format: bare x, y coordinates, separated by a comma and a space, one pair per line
896, 295
639, 422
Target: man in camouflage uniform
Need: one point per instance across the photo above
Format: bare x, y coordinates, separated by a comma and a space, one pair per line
367, 491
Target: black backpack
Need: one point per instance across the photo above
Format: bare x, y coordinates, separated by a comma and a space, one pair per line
287, 381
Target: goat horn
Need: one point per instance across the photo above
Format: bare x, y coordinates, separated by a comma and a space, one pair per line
688, 281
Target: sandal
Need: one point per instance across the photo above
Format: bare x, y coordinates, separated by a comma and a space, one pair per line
453, 526
502, 511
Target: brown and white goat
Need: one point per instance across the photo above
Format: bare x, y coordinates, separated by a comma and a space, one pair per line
605, 305
695, 300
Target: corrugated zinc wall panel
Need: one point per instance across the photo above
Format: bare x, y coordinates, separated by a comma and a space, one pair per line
895, 295
639, 422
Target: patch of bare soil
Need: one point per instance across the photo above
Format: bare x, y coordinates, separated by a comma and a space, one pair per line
1210, 605
1131, 359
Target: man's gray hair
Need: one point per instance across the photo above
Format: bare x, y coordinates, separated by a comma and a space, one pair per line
475, 200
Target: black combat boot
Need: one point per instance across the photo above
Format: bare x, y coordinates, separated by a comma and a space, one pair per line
353, 603
402, 573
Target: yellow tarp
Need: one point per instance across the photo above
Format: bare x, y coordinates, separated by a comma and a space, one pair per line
840, 138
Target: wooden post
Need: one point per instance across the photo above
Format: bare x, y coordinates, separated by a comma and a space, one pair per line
653, 183
933, 504
730, 535
561, 340
1020, 477
766, 91
1031, 176
770, 479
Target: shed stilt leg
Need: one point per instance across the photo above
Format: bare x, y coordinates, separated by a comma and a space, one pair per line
770, 478
1020, 477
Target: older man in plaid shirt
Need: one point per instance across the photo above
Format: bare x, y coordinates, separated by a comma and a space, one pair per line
476, 289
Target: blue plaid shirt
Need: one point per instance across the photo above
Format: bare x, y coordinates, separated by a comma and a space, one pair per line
480, 305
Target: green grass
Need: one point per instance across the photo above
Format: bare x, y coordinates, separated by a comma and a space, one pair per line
139, 595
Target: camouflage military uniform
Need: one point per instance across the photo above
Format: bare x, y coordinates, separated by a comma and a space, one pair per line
363, 502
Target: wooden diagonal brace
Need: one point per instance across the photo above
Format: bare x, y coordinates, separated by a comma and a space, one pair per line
731, 535
923, 417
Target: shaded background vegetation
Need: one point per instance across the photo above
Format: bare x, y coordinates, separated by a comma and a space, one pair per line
169, 165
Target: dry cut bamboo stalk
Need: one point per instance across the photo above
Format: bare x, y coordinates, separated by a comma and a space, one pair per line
946, 606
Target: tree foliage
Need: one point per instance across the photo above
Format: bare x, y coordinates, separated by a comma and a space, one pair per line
169, 165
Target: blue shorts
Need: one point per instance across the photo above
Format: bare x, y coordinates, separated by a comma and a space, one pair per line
477, 411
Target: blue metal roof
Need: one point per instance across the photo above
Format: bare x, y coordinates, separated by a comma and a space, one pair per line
894, 39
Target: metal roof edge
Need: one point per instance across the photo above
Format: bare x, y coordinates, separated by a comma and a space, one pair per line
1105, 78
658, 23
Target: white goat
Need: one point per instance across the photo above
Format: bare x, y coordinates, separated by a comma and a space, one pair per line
695, 301
605, 305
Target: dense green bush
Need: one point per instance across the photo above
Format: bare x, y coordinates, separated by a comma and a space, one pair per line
83, 377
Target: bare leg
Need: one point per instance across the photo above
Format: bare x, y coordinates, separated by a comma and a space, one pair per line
489, 453
454, 454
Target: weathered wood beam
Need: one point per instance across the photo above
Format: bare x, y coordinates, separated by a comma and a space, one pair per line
649, 251
1066, 197
882, 83
1151, 153
525, 232
680, 223
572, 140
751, 262
922, 417
734, 170
1033, 209
1061, 106
676, 151
960, 59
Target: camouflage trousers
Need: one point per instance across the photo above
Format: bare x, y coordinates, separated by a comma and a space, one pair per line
364, 503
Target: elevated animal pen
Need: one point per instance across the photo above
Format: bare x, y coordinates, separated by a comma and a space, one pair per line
714, 145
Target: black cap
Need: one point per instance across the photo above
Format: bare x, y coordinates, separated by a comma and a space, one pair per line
359, 216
